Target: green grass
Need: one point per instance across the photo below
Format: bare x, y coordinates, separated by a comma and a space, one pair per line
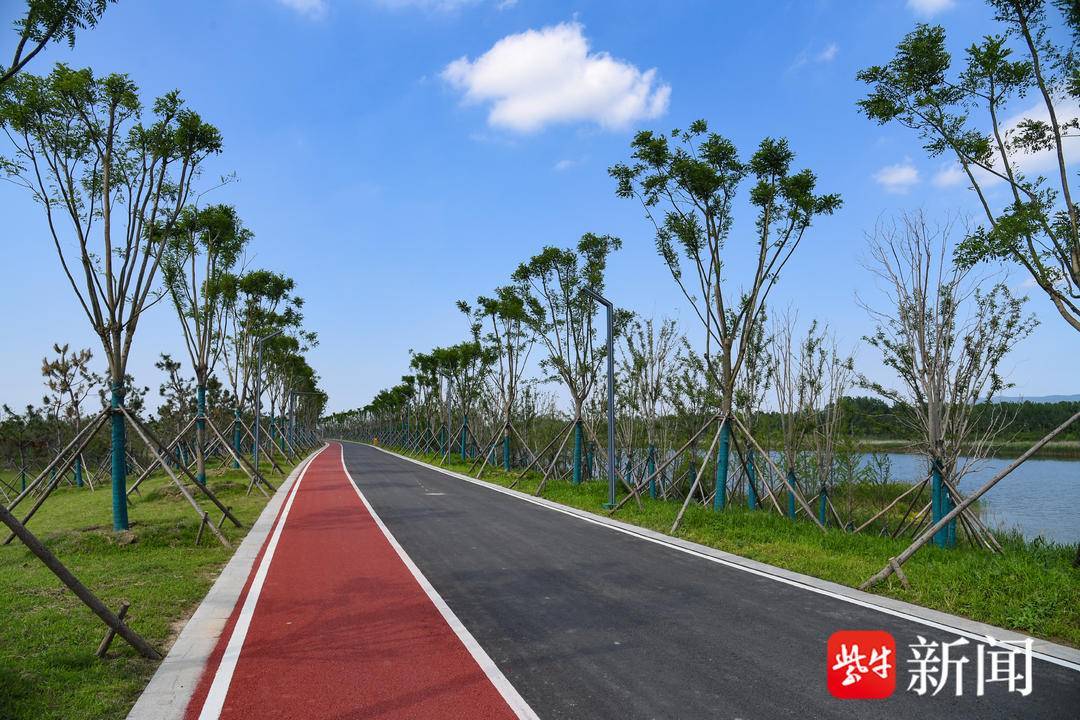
1032, 588
48, 638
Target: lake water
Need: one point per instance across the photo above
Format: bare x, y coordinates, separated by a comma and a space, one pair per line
1041, 497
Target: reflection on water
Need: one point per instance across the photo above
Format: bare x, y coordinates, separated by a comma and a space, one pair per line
1041, 497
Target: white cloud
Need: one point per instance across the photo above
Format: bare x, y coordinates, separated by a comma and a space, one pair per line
949, 175
546, 76
805, 57
929, 8
309, 8
1043, 162
897, 178
829, 53
567, 163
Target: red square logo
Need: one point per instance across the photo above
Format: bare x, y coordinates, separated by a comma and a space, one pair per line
861, 665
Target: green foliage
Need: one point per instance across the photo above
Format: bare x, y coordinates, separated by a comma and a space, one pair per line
200, 253
117, 184
562, 316
1039, 226
49, 21
688, 183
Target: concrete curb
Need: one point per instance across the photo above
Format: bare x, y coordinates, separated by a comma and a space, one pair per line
1046, 650
167, 695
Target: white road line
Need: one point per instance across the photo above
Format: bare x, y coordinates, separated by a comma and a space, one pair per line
721, 561
219, 689
494, 674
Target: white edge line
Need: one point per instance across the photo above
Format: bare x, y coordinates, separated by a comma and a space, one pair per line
219, 689
603, 522
494, 674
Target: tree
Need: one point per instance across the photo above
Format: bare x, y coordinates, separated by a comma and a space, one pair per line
649, 352
119, 186
256, 304
562, 317
176, 409
465, 365
688, 184
199, 257
945, 338
509, 340
49, 21
69, 378
1038, 227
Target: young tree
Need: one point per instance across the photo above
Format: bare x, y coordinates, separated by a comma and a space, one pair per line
562, 317
688, 184
118, 185
1039, 227
69, 378
256, 304
177, 406
49, 21
945, 338
649, 353
201, 252
509, 340
465, 365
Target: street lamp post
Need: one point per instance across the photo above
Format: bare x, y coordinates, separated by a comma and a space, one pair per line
258, 389
610, 391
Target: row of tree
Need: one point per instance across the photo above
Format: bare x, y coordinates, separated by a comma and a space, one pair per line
120, 186
940, 327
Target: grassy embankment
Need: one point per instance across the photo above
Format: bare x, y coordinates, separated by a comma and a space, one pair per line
1032, 588
48, 638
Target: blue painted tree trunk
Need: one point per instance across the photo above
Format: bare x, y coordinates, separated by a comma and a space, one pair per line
578, 441
823, 506
200, 432
78, 471
119, 460
791, 494
651, 470
589, 461
465, 438
281, 434
237, 439
722, 454
751, 480
506, 452
937, 502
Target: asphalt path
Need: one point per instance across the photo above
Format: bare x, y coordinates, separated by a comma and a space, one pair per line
588, 622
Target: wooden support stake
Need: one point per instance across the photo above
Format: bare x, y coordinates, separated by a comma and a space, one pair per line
110, 633
697, 480
153, 443
81, 591
895, 563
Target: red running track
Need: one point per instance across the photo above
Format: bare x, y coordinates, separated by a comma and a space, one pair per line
338, 626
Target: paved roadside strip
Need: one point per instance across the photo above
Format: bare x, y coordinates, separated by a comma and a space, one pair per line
336, 621
170, 689
1054, 653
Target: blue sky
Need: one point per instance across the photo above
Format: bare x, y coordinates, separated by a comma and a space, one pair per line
391, 167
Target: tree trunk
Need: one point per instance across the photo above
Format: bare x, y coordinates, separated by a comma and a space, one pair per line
200, 433
119, 458
236, 437
722, 453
